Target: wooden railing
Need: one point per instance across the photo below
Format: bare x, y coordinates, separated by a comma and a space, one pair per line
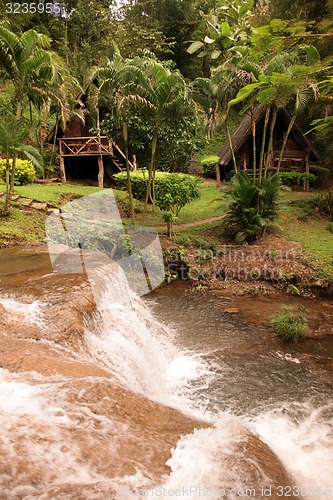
85, 146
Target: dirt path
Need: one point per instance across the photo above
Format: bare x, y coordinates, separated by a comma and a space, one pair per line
192, 224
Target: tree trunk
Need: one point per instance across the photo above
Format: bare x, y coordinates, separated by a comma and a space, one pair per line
263, 142
271, 141
10, 187
307, 169
290, 126
169, 229
5, 208
231, 147
100, 172
218, 176
129, 184
150, 192
254, 160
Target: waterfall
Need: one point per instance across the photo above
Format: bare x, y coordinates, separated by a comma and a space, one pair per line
97, 426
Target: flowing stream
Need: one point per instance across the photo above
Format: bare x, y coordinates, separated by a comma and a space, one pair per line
92, 414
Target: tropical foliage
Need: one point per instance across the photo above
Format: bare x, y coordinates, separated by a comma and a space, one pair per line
38, 77
164, 76
253, 206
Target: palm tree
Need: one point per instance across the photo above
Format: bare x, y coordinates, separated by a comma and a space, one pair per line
112, 86
37, 74
13, 134
168, 98
287, 77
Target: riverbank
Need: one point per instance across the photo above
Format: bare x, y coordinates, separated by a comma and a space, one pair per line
296, 257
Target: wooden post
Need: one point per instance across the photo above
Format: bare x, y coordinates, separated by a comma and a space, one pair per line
62, 163
62, 169
307, 168
100, 172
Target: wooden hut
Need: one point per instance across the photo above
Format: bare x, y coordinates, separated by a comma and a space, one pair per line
84, 155
299, 153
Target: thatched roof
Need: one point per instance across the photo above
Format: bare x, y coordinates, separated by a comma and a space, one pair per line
244, 131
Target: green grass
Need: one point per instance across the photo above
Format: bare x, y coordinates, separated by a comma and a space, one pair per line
200, 209
309, 229
22, 227
204, 207
53, 193
290, 322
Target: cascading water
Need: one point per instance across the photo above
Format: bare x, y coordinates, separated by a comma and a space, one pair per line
85, 429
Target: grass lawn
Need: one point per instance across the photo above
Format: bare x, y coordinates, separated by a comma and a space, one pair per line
53, 193
22, 227
200, 209
309, 229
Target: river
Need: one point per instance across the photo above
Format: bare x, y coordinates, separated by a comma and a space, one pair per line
168, 396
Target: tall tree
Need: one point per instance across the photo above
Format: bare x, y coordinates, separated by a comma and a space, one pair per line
112, 87
169, 99
36, 73
13, 135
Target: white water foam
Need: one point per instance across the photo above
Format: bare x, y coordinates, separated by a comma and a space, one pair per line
137, 348
302, 437
29, 312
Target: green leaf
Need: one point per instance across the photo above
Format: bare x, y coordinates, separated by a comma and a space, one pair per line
195, 46
215, 54
244, 93
225, 29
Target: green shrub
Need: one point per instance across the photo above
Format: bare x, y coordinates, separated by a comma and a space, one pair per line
209, 165
325, 203
290, 322
297, 178
24, 172
139, 181
171, 190
174, 191
253, 206
321, 174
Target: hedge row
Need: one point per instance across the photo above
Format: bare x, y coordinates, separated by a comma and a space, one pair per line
319, 174
296, 178
163, 181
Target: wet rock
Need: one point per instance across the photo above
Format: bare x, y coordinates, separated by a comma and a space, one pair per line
231, 310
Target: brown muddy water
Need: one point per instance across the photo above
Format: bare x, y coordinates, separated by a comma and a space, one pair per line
163, 397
